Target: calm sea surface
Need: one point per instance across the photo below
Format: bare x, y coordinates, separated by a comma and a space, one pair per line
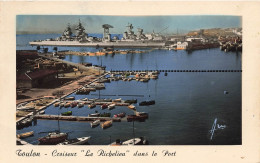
186, 103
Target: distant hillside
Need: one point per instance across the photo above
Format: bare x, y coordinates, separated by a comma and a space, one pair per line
214, 32
29, 32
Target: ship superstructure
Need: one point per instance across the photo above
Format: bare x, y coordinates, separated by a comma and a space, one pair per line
140, 35
129, 35
81, 35
81, 38
67, 34
106, 34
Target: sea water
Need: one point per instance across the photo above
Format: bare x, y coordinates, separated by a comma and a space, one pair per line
187, 103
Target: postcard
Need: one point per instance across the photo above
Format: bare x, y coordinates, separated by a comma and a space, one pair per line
139, 81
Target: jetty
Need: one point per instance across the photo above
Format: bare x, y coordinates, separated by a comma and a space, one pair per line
75, 118
79, 66
144, 71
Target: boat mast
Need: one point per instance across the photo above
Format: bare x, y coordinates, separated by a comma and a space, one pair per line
101, 61
99, 77
59, 94
134, 131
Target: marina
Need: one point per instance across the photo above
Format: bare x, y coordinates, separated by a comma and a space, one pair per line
154, 111
114, 84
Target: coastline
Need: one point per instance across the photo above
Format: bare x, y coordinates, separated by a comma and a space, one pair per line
90, 74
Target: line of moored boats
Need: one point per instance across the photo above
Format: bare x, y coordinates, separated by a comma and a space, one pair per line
104, 104
59, 138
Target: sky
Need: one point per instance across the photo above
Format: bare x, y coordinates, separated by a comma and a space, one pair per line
35, 24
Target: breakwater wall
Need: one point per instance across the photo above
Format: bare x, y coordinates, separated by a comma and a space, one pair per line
121, 71
75, 118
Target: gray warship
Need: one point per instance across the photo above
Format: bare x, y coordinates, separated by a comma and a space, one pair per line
81, 39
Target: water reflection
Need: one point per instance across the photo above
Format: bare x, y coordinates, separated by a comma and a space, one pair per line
186, 103
70, 58
82, 59
131, 58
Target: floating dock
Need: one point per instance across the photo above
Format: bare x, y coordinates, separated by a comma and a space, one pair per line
143, 71
98, 103
75, 118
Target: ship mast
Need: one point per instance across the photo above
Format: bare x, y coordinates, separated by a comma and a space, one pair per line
134, 131
59, 94
80, 35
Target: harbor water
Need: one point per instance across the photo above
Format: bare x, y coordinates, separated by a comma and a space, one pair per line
187, 103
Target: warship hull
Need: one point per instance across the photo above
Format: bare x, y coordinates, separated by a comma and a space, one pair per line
122, 44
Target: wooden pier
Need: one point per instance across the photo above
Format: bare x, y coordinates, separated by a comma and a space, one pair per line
143, 71
97, 102
75, 118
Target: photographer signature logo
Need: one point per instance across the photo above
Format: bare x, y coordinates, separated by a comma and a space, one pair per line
215, 127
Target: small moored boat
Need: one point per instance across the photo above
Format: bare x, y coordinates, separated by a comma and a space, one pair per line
123, 51
99, 86
144, 114
103, 100
92, 105
136, 141
68, 113
76, 141
100, 53
73, 104
105, 114
84, 99
111, 106
120, 115
80, 105
53, 138
104, 106
95, 123
69, 98
82, 91
56, 104
67, 105
94, 115
110, 52
132, 107
61, 104
26, 108
152, 102
42, 112
25, 135
131, 101
106, 124
117, 100
140, 118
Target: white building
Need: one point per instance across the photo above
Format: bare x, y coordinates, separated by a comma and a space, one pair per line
182, 45
191, 39
238, 32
